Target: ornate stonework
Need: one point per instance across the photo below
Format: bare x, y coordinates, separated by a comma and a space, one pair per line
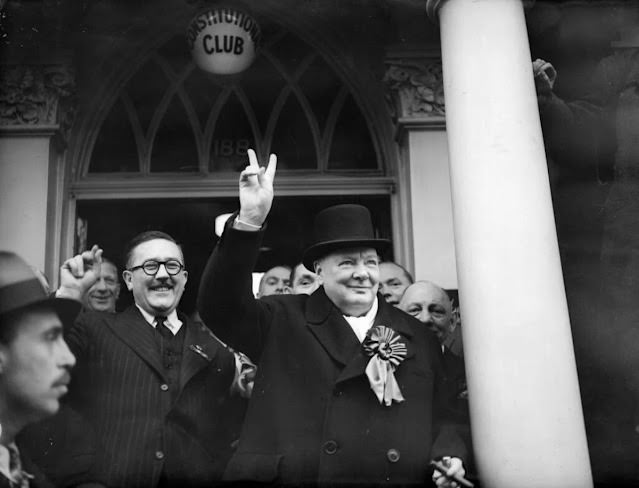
33, 95
416, 88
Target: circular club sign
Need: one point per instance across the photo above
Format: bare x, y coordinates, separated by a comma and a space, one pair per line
223, 40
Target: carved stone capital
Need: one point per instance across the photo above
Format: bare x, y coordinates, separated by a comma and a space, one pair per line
415, 88
37, 95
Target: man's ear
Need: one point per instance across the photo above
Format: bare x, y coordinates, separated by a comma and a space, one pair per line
317, 268
127, 276
455, 318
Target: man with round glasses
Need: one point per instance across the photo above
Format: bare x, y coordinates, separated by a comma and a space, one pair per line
152, 383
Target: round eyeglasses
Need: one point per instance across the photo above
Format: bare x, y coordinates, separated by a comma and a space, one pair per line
151, 267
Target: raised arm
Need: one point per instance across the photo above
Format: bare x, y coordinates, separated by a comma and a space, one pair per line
77, 275
579, 132
225, 298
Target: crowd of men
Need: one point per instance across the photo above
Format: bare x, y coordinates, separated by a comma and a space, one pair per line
341, 370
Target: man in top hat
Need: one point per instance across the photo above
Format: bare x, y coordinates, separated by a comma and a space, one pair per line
34, 362
347, 385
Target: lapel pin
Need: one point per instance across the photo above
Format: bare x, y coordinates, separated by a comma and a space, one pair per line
198, 350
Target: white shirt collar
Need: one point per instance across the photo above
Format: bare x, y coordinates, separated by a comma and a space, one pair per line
360, 325
172, 322
4, 462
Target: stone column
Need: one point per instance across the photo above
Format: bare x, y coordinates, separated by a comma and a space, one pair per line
33, 119
413, 80
526, 414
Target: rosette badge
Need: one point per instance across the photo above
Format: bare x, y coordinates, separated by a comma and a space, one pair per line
386, 350
223, 41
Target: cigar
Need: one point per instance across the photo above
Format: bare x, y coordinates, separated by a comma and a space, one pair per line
439, 466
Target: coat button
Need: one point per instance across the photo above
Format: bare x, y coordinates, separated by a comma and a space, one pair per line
164, 387
159, 455
393, 455
330, 447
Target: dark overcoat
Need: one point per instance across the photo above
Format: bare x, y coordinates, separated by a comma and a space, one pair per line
143, 426
313, 417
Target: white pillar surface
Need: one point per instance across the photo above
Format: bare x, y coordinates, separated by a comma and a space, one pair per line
432, 215
526, 415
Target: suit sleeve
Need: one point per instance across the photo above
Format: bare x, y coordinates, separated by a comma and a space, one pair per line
581, 132
75, 334
225, 297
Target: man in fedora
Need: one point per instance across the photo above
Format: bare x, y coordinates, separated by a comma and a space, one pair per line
347, 386
34, 362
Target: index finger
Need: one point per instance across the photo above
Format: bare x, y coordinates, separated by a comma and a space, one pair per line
252, 158
272, 166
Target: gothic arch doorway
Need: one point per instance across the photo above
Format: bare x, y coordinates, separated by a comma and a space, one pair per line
162, 145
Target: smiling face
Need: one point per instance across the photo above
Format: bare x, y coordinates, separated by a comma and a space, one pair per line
104, 293
34, 366
350, 278
158, 294
429, 304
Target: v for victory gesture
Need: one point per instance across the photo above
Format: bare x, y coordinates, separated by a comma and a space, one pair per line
256, 190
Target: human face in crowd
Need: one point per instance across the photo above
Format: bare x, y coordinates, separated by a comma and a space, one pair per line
303, 280
102, 296
276, 281
392, 282
350, 278
429, 304
158, 294
34, 366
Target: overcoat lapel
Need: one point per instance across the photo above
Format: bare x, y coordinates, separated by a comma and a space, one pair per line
200, 347
330, 328
136, 333
359, 361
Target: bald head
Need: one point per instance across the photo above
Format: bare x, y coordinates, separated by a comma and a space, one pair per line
430, 304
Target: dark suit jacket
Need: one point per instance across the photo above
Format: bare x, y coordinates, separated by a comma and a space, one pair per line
119, 386
313, 416
62, 446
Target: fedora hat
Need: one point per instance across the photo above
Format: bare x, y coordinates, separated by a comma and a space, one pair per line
20, 289
341, 227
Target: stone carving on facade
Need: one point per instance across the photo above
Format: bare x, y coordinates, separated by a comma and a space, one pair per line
416, 89
33, 95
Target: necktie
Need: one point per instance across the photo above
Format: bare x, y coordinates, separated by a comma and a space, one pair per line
162, 328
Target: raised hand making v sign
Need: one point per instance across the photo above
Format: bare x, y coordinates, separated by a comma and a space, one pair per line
256, 192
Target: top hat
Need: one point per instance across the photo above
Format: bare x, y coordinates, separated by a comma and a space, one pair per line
341, 227
20, 289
